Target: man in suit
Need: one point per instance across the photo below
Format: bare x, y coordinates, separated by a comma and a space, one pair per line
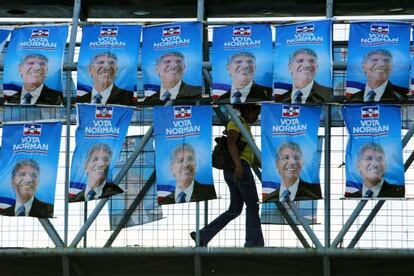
170, 68
289, 165
103, 68
25, 181
242, 68
303, 65
33, 71
183, 168
371, 165
377, 66
96, 167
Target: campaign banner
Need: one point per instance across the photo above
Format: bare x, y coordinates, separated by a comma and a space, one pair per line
99, 138
378, 62
303, 62
172, 61
242, 69
29, 156
290, 158
182, 143
108, 64
138, 174
270, 214
374, 162
33, 65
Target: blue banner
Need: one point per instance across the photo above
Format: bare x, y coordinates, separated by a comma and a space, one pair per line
374, 162
303, 62
172, 61
138, 174
29, 160
33, 65
108, 63
290, 158
99, 137
183, 154
378, 62
242, 69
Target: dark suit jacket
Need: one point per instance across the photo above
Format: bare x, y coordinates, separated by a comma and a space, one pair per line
318, 94
108, 190
387, 190
186, 91
39, 209
200, 193
47, 96
257, 93
392, 93
306, 191
117, 96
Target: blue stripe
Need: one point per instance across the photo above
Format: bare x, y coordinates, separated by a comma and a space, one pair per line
85, 87
7, 200
221, 86
282, 85
165, 188
77, 185
354, 185
270, 184
152, 87
355, 84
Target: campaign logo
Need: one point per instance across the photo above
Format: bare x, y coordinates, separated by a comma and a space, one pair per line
182, 112
171, 31
380, 29
109, 31
370, 112
32, 129
242, 31
40, 33
310, 28
290, 111
103, 112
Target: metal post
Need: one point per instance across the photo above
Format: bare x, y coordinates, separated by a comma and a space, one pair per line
197, 223
292, 224
329, 8
366, 223
327, 170
51, 231
349, 223
124, 220
70, 56
305, 225
407, 137
65, 266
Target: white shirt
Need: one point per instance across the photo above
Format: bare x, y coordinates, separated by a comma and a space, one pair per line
376, 189
98, 191
105, 94
27, 206
379, 91
292, 189
173, 91
35, 95
244, 91
305, 92
188, 192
